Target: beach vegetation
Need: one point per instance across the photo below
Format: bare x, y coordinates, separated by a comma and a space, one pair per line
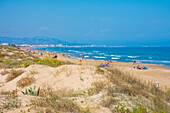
9, 100
13, 74
33, 72
31, 91
12, 57
49, 62
123, 83
26, 81
99, 70
26, 64
55, 102
4, 72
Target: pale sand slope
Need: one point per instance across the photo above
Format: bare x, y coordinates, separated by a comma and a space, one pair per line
154, 74
65, 77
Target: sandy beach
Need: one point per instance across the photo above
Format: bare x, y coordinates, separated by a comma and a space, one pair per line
154, 73
88, 85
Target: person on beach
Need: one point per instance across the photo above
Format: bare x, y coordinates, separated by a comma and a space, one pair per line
79, 62
134, 61
82, 56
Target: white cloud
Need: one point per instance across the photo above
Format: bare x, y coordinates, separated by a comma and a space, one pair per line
43, 28
104, 30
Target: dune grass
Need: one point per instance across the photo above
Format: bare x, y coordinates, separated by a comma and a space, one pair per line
9, 100
4, 72
26, 81
128, 85
13, 74
56, 102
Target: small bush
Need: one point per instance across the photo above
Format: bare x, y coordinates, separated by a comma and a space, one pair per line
5, 62
4, 72
26, 64
49, 62
98, 70
13, 74
26, 81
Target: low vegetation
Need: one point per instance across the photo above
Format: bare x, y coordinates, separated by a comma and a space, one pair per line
52, 102
31, 91
146, 97
26, 64
9, 101
4, 72
49, 62
13, 57
26, 81
13, 74
99, 70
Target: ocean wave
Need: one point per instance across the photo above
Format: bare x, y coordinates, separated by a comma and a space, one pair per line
116, 55
133, 56
96, 51
98, 57
86, 56
154, 61
101, 53
115, 58
73, 51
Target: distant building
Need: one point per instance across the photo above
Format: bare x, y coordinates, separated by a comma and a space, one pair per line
4, 44
59, 45
52, 45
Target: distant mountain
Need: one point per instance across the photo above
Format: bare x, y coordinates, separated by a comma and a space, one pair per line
37, 40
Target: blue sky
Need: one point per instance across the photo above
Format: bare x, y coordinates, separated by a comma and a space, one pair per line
110, 22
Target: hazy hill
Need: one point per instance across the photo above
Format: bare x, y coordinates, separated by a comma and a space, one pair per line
37, 40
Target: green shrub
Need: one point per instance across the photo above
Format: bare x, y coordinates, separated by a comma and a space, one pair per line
49, 62
31, 91
98, 70
5, 62
26, 64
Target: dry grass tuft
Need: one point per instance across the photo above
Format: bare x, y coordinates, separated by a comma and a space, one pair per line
13, 74
26, 81
108, 102
4, 72
33, 72
130, 86
56, 102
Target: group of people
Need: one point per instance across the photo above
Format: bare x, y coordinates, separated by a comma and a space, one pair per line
139, 67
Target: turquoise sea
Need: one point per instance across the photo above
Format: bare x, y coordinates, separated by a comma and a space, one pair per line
149, 55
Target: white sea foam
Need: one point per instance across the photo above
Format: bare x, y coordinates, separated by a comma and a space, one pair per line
86, 56
98, 57
96, 51
116, 55
150, 57
115, 58
154, 61
133, 56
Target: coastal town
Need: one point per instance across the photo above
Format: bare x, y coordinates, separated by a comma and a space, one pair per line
51, 45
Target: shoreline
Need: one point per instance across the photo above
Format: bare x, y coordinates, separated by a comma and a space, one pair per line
140, 63
157, 65
154, 73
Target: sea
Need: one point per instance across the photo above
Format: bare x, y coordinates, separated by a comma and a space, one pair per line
145, 55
